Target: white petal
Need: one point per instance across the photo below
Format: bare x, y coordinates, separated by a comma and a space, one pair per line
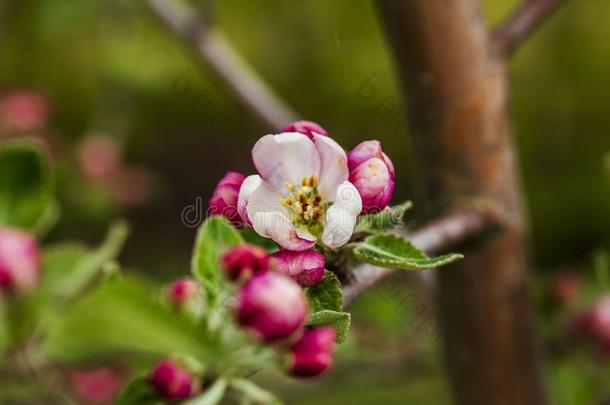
277, 226
341, 216
256, 195
333, 170
348, 195
288, 156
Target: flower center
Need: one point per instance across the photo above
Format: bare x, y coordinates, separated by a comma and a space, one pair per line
305, 203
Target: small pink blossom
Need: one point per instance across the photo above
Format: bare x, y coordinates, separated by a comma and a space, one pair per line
313, 353
224, 199
173, 380
306, 128
182, 291
271, 305
245, 260
372, 173
19, 260
305, 267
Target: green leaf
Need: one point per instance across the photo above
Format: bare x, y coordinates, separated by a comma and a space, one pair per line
139, 391
121, 317
341, 321
215, 236
387, 218
5, 329
24, 185
254, 393
211, 396
325, 295
394, 252
68, 267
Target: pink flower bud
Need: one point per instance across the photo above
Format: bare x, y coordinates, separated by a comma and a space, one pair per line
313, 353
306, 128
224, 199
98, 386
182, 291
306, 267
594, 325
245, 260
271, 305
172, 380
371, 171
19, 260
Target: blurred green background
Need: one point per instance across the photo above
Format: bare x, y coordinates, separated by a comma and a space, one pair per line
110, 67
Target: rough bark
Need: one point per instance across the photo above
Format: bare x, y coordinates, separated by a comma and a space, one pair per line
456, 90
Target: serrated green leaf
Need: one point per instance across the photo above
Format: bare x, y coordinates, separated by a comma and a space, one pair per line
68, 267
139, 391
211, 396
121, 317
326, 295
387, 218
341, 321
215, 236
24, 185
254, 393
394, 252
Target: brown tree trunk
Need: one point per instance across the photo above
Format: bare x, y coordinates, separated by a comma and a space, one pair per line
456, 89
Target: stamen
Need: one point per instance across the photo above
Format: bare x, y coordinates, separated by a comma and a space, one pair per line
305, 204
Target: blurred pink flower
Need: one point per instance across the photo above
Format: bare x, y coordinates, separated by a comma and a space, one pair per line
23, 111
98, 386
271, 305
245, 260
313, 353
19, 260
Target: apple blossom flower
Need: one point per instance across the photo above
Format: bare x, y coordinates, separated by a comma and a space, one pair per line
371, 171
306, 128
245, 260
313, 353
224, 199
172, 380
302, 193
271, 305
305, 267
19, 260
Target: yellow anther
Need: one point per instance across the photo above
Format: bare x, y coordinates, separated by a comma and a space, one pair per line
290, 186
313, 181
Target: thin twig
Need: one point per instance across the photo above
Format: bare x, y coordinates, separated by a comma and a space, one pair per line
522, 23
218, 53
440, 234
